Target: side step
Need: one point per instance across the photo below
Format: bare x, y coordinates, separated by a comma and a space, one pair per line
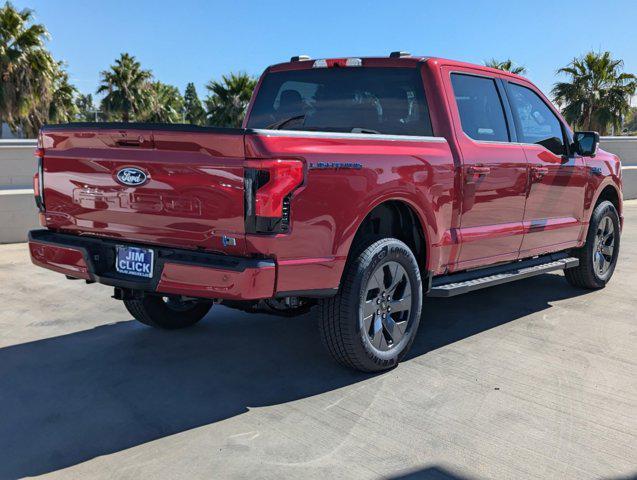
463, 282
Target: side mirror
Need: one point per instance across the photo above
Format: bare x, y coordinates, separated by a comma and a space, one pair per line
586, 143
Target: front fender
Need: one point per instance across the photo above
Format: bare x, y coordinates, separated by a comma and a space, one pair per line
605, 171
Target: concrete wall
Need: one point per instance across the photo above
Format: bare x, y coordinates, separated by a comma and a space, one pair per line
17, 165
626, 148
18, 213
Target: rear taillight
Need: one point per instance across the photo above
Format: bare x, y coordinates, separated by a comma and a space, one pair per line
38, 180
268, 186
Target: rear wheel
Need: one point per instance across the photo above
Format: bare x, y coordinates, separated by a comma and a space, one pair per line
598, 256
169, 312
371, 323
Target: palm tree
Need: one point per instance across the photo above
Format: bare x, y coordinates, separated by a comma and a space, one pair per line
194, 112
26, 69
506, 65
127, 88
631, 120
598, 92
228, 99
86, 111
59, 108
166, 104
62, 108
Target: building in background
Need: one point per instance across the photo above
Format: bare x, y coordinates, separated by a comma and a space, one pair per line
7, 133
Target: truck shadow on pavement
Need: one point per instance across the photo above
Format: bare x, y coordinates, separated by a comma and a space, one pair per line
429, 473
68, 399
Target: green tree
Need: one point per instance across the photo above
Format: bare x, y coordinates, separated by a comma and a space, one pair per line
597, 93
630, 123
59, 108
166, 104
228, 99
86, 111
62, 108
506, 65
194, 112
27, 70
127, 88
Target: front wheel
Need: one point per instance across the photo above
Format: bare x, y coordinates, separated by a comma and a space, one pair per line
598, 256
371, 323
168, 312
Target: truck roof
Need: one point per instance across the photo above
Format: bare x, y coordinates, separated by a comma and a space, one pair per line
397, 61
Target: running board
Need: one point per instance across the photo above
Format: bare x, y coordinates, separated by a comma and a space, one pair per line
459, 283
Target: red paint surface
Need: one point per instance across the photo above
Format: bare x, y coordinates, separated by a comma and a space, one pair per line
193, 197
68, 261
329, 208
252, 283
478, 202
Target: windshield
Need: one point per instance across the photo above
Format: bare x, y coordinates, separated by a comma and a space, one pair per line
355, 99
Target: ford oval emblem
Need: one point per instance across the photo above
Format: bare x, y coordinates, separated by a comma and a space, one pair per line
131, 176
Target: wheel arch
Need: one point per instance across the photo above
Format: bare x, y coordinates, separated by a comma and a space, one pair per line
611, 193
399, 218
608, 190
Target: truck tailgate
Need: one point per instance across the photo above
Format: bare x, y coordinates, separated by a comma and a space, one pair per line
173, 187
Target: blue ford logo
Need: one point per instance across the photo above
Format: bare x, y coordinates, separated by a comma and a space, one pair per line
131, 176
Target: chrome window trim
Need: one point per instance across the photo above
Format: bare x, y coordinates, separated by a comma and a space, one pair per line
346, 135
523, 144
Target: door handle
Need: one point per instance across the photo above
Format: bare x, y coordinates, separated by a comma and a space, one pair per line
538, 172
478, 170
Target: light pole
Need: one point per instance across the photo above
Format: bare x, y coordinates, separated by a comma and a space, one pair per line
95, 112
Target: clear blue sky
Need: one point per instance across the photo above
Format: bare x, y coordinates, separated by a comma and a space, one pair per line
197, 40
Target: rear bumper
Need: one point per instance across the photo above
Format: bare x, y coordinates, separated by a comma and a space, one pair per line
176, 271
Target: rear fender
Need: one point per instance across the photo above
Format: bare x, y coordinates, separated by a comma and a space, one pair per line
423, 212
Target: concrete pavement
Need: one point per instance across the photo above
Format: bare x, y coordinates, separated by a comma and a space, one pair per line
533, 379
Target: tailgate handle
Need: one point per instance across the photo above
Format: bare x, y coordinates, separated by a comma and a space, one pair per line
129, 142
124, 141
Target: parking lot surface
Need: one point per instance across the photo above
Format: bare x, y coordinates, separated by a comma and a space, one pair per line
533, 379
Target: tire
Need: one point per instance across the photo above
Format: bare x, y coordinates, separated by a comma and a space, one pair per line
353, 337
602, 240
167, 312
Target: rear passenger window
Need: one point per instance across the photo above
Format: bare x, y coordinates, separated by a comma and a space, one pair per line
535, 121
359, 100
480, 108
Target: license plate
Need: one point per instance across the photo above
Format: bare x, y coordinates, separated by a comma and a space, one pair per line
134, 261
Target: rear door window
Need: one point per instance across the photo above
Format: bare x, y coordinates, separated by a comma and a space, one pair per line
350, 99
480, 108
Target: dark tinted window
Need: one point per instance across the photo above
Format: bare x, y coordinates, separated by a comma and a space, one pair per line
536, 122
480, 108
349, 99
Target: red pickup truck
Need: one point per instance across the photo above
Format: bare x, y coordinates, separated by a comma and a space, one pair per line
357, 186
